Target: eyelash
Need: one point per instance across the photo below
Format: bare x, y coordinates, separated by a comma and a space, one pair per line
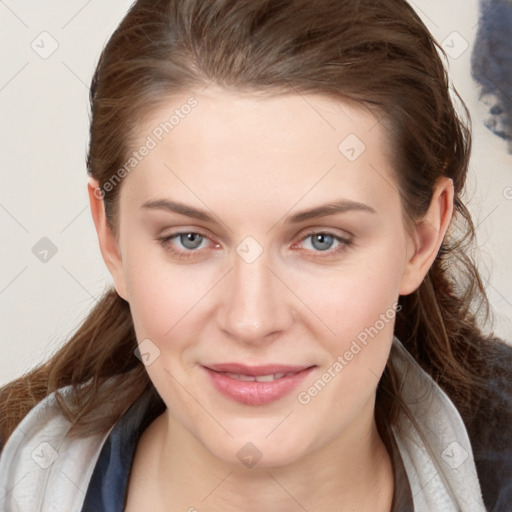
165, 242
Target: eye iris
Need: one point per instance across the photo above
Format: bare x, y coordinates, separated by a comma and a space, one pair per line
191, 240
325, 241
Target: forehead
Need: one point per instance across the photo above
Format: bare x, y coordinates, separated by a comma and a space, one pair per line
299, 120
270, 147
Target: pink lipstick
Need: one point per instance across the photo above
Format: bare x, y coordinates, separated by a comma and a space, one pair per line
256, 385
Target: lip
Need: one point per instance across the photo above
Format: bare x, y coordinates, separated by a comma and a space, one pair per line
266, 369
253, 392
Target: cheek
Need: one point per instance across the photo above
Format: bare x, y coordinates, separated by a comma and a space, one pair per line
355, 295
357, 308
167, 306
357, 355
163, 297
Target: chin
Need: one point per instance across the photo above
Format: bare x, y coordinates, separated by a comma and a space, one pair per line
258, 451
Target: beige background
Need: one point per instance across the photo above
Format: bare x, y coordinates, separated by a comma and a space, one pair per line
44, 133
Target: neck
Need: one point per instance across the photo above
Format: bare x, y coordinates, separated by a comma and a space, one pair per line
352, 472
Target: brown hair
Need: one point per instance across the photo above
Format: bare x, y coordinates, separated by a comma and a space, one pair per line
375, 52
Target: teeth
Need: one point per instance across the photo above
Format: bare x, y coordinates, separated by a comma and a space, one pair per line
259, 378
265, 378
248, 378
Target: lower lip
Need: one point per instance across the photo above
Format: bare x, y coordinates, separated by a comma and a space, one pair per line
256, 393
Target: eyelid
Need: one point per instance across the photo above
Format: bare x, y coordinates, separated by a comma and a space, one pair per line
166, 239
185, 230
340, 233
344, 241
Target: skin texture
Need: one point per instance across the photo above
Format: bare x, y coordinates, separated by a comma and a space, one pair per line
251, 163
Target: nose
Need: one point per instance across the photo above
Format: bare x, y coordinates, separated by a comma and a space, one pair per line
255, 305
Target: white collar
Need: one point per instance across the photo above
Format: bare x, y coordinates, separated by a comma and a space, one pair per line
433, 442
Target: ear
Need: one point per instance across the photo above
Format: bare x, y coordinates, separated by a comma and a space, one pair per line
108, 244
428, 236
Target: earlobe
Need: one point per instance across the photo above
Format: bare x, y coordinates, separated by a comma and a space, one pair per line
108, 244
428, 236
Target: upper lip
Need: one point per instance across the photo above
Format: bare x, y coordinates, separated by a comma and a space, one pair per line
267, 369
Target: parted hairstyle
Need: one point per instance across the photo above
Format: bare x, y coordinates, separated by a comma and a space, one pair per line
377, 53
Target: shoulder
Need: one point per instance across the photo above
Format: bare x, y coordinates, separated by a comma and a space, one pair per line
490, 430
41, 454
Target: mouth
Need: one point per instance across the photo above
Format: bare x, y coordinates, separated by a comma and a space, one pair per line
258, 378
256, 385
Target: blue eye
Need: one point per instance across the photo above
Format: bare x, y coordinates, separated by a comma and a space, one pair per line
190, 240
328, 243
322, 241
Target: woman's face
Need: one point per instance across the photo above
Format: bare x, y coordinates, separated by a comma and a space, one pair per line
263, 232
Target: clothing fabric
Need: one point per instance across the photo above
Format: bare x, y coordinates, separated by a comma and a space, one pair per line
43, 468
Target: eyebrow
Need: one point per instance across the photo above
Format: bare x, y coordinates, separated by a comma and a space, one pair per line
340, 206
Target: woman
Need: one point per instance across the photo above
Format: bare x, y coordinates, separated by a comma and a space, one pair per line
276, 188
